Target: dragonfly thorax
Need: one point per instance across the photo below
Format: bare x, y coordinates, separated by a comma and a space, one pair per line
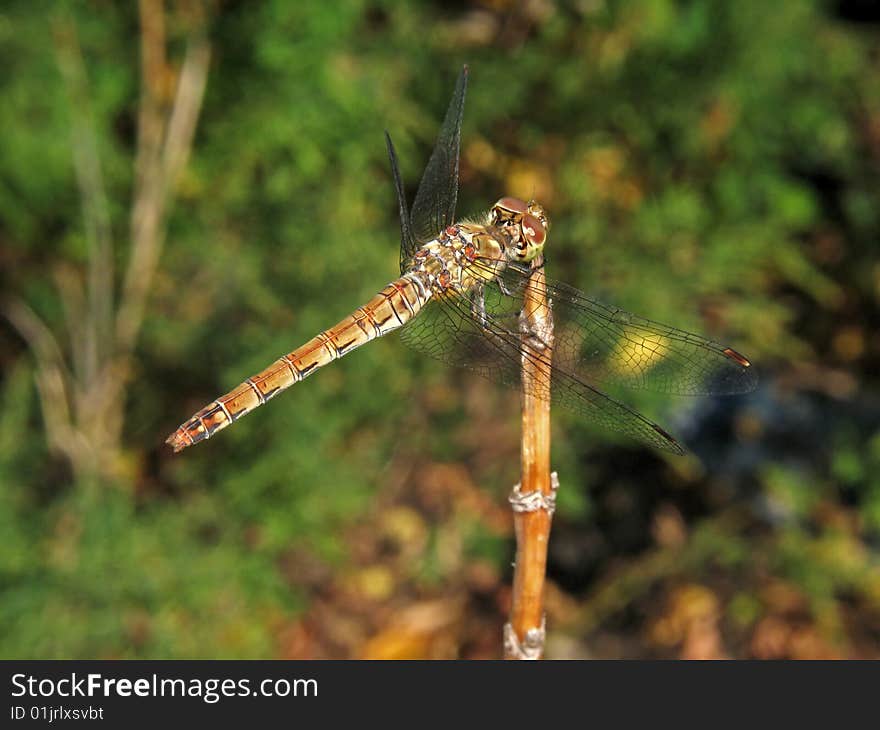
462, 256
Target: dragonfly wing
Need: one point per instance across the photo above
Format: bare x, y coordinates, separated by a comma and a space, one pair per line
434, 205
408, 243
487, 341
443, 332
603, 343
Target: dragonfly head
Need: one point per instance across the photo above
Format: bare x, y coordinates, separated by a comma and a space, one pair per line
525, 222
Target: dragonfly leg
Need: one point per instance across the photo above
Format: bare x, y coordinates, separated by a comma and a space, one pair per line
478, 309
478, 305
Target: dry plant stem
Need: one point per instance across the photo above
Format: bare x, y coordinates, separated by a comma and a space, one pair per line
163, 151
93, 341
83, 402
533, 527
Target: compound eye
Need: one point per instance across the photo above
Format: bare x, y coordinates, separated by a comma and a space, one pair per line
536, 210
533, 230
512, 205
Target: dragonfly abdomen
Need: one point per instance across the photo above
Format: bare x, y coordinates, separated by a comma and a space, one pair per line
390, 309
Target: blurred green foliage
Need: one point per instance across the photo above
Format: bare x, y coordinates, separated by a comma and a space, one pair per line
710, 164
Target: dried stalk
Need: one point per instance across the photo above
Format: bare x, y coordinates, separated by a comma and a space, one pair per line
534, 498
94, 341
83, 403
163, 151
53, 381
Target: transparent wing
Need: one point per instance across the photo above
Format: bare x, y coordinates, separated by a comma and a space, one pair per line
434, 206
408, 243
486, 340
603, 343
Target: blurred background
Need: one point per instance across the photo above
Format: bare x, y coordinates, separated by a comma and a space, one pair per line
190, 189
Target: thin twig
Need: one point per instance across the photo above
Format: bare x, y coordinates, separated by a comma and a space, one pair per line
96, 340
69, 284
533, 499
162, 156
53, 379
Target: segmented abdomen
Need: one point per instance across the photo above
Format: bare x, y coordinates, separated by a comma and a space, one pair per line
391, 308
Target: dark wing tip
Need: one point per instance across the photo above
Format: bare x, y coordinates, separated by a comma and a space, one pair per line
669, 442
736, 357
389, 145
740, 377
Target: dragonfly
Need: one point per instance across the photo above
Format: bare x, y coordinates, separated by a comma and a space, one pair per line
462, 288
